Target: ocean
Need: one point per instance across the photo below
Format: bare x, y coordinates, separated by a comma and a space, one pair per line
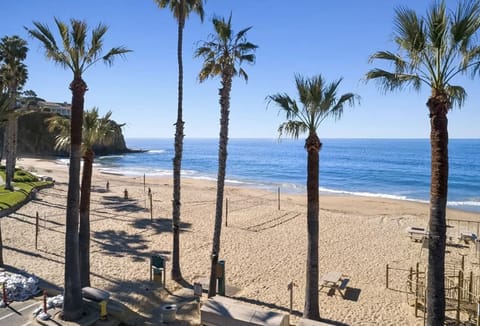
388, 168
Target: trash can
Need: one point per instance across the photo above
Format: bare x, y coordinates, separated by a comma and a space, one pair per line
168, 313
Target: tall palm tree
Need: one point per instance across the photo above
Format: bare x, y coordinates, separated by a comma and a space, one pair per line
432, 51
13, 72
318, 101
4, 104
96, 131
181, 9
78, 54
223, 55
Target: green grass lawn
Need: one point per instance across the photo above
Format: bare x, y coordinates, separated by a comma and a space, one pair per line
23, 183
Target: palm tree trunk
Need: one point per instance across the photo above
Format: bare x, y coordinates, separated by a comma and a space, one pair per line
177, 161
11, 138
14, 143
313, 146
438, 201
1, 244
9, 172
222, 165
72, 305
84, 233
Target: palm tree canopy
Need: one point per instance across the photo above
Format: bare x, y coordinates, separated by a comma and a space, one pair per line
181, 9
318, 101
13, 51
75, 51
96, 130
224, 49
432, 50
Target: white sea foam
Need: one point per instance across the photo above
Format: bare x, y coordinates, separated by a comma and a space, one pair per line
463, 203
111, 156
156, 151
203, 177
63, 161
368, 194
137, 172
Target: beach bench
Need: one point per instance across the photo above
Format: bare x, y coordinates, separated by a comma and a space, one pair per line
416, 233
94, 294
223, 311
309, 322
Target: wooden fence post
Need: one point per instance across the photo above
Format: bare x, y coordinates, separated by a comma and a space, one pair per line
416, 291
278, 198
386, 277
151, 204
459, 295
478, 312
410, 279
470, 288
226, 211
36, 230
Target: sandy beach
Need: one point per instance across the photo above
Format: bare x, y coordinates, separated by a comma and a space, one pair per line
264, 247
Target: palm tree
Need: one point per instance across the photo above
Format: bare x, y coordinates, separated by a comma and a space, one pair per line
181, 9
4, 106
77, 55
318, 101
432, 51
13, 72
96, 131
223, 54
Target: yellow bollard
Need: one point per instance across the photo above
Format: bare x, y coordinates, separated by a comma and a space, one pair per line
103, 310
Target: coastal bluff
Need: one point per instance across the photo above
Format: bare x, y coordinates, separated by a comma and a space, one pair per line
35, 140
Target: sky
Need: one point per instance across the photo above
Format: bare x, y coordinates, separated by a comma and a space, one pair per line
307, 37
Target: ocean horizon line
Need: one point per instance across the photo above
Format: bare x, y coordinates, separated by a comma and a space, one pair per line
300, 138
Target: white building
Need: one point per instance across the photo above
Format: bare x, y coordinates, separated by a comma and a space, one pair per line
64, 109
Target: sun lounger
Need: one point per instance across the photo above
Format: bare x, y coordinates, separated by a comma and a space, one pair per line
335, 281
219, 311
467, 236
417, 233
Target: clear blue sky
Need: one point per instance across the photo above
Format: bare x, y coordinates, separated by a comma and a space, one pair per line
334, 38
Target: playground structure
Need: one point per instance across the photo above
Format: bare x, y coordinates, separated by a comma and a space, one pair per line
462, 278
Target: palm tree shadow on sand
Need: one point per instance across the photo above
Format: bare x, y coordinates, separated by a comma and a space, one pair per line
158, 225
120, 204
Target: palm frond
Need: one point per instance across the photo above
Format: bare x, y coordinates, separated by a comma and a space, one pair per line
409, 32
76, 53
181, 9
389, 81
243, 74
242, 34
437, 26
293, 128
398, 62
113, 53
465, 23
457, 94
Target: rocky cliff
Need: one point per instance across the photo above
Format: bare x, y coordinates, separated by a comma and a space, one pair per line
35, 140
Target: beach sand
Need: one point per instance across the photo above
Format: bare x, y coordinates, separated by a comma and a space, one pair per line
264, 248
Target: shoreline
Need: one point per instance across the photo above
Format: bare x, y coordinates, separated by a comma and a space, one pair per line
290, 189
